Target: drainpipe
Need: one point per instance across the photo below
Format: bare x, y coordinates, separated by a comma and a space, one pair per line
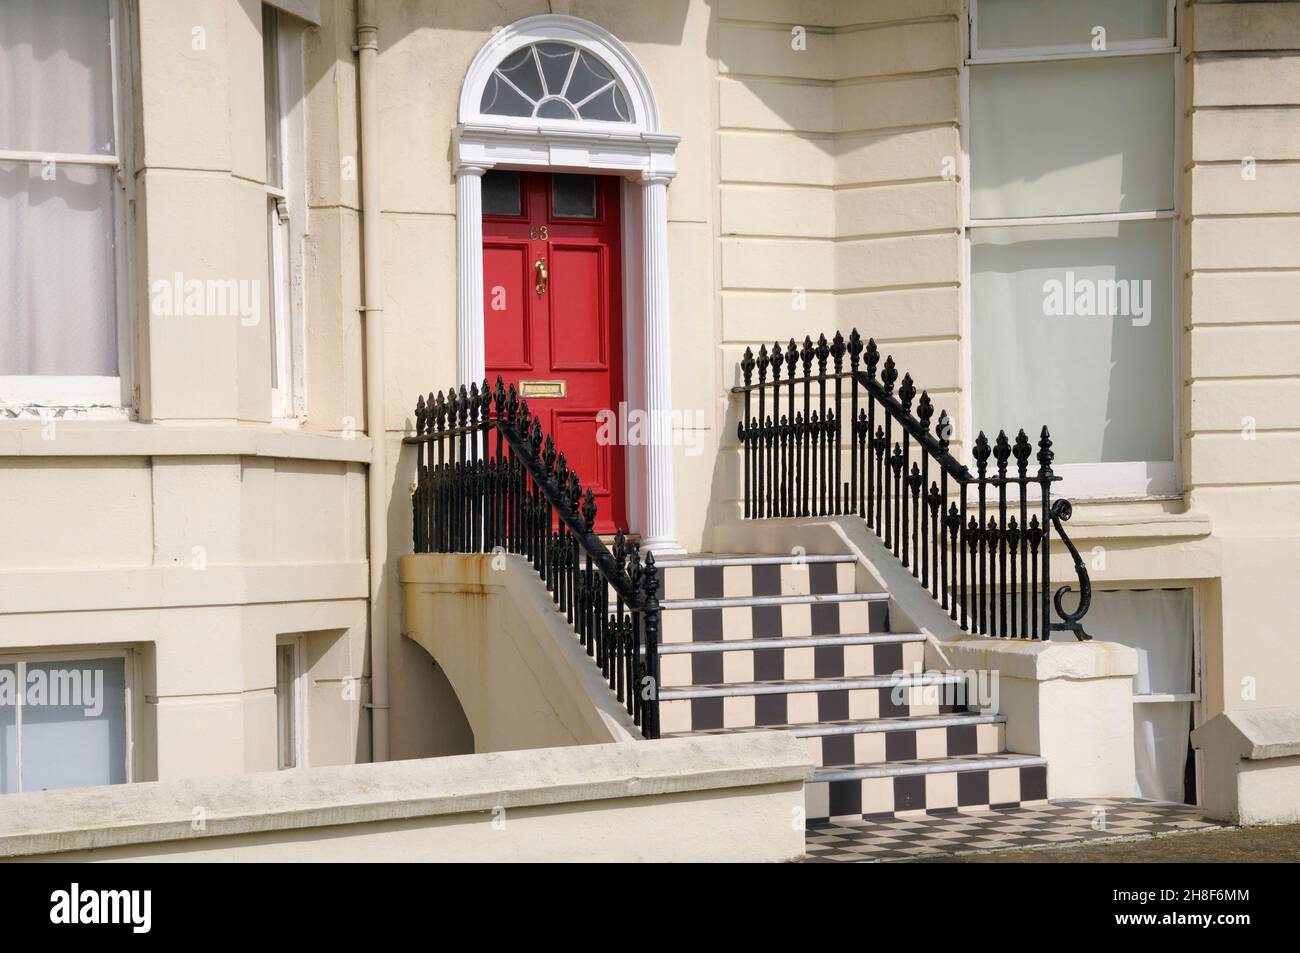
367, 50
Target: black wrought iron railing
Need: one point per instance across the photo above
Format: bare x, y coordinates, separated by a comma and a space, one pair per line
488, 480
979, 542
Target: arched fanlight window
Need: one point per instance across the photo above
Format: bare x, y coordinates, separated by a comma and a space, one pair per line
554, 81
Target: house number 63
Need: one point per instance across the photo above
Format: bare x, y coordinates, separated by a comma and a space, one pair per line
538, 234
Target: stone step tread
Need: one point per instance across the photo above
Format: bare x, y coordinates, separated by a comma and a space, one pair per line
790, 642
699, 560
798, 686
738, 601
861, 725
895, 769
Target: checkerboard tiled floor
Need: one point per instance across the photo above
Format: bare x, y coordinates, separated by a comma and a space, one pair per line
1050, 824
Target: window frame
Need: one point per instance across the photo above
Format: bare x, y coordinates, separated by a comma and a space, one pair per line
97, 396
131, 695
287, 227
1123, 480
298, 685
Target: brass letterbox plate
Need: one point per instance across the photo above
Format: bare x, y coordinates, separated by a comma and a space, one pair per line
536, 389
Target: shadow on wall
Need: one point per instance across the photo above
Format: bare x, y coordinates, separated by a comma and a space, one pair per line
866, 100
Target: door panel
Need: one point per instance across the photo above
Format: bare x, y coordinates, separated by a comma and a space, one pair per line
566, 327
507, 273
575, 431
579, 302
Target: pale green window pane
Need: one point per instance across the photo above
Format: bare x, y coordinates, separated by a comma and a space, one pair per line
1102, 382
1072, 137
1008, 25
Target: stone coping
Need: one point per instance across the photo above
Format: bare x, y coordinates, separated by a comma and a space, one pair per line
1041, 661
156, 812
1256, 734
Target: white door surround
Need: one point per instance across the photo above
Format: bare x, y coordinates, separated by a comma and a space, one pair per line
645, 158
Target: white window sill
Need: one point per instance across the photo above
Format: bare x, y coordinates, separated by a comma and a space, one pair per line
61, 397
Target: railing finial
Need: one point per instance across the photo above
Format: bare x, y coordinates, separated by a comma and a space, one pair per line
1045, 455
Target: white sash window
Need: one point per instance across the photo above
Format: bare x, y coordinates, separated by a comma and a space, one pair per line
286, 207
64, 192
1073, 235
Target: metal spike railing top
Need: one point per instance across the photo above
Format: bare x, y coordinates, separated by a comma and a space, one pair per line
488, 480
950, 527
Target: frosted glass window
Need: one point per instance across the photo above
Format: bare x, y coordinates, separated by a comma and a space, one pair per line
73, 724
501, 193
555, 81
1007, 26
1072, 137
573, 196
1157, 623
1094, 361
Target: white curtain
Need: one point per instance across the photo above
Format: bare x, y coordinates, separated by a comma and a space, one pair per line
57, 273
1158, 624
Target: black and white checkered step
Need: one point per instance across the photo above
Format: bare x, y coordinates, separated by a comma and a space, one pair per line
781, 659
754, 642
867, 741
970, 782
805, 701
773, 617
720, 577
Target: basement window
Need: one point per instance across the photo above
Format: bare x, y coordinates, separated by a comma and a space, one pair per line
63, 721
290, 704
1160, 625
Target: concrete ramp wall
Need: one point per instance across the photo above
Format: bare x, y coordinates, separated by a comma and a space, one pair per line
513, 659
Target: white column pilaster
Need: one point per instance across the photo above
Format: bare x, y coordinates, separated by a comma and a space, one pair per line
659, 532
470, 361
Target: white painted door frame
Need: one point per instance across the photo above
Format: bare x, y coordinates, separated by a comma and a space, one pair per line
646, 160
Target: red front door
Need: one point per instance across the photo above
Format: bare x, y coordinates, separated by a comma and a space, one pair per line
552, 306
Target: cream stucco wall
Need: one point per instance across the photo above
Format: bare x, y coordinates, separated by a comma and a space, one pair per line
821, 170
187, 530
